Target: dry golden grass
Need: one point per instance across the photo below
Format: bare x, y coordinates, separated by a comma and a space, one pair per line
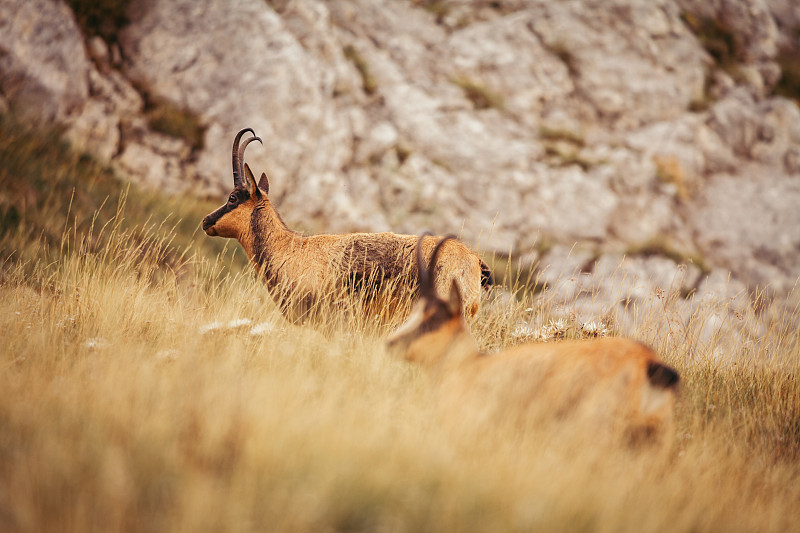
132, 400
126, 408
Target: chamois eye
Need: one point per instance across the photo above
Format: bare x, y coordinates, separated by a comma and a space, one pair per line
232, 199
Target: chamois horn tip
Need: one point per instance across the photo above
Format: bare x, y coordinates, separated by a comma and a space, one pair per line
422, 270
241, 153
426, 272
236, 158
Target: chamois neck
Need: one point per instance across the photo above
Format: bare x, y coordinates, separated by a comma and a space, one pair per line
268, 234
449, 350
462, 349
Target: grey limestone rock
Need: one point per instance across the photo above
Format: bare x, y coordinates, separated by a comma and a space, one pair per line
606, 124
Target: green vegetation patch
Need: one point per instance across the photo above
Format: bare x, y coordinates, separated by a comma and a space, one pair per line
561, 134
723, 46
563, 147
368, 82
50, 194
165, 117
168, 118
717, 38
480, 96
438, 8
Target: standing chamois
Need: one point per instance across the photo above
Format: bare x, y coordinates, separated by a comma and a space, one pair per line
302, 271
613, 382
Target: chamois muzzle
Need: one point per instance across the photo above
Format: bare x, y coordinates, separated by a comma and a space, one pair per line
208, 225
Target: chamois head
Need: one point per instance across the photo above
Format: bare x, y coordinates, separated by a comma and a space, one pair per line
233, 217
433, 321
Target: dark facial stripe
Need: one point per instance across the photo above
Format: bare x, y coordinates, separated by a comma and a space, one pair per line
211, 219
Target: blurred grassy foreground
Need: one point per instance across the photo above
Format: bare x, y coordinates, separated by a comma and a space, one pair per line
148, 384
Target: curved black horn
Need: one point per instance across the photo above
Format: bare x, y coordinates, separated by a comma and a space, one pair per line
425, 285
241, 155
435, 255
237, 165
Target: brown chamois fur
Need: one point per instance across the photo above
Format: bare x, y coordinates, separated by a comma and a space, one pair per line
301, 271
611, 382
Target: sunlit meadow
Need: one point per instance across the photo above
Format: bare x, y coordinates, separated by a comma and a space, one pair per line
149, 384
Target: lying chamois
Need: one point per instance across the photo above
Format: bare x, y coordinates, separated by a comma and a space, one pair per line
301, 271
612, 382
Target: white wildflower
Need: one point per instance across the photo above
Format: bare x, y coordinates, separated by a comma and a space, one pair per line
167, 355
68, 321
523, 331
557, 328
210, 328
542, 333
594, 329
262, 328
238, 323
96, 343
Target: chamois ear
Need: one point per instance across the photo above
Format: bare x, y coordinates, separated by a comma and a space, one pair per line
454, 302
263, 183
250, 181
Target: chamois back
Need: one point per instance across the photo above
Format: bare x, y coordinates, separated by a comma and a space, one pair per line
612, 383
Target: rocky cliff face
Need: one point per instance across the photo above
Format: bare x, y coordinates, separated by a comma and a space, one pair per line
646, 127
